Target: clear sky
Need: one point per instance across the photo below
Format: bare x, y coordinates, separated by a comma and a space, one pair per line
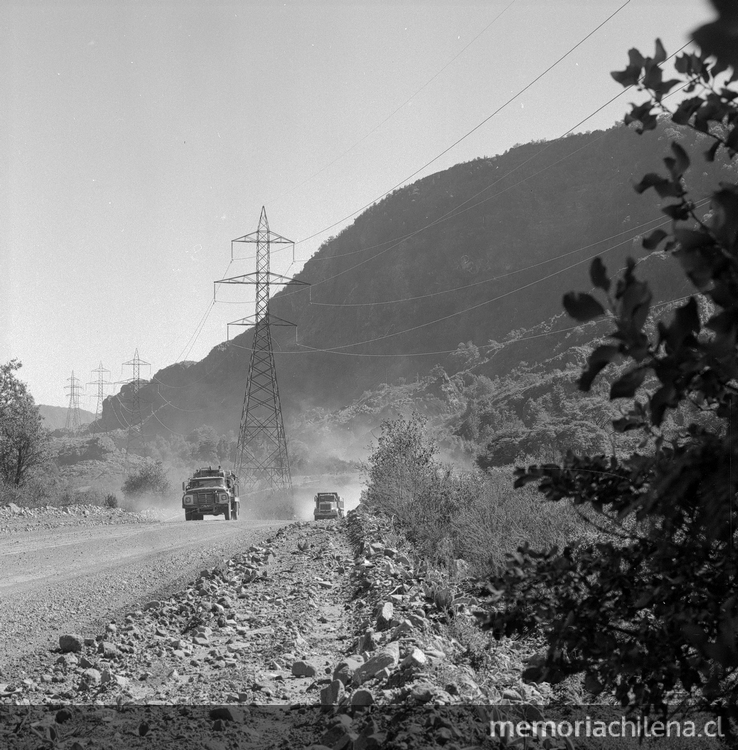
138, 138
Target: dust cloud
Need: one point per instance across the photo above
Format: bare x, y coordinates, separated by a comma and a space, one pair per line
348, 486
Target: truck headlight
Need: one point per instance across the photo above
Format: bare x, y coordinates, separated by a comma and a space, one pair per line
188, 499
223, 498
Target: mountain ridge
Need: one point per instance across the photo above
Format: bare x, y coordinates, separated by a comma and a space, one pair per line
471, 254
55, 417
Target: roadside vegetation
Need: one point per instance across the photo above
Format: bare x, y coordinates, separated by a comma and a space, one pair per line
651, 615
150, 480
448, 513
646, 611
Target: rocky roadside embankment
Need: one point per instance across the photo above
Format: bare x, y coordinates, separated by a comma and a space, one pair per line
323, 636
15, 519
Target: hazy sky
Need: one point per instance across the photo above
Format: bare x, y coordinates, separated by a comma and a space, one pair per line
139, 138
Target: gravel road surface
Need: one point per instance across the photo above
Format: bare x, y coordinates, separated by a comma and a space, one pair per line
76, 578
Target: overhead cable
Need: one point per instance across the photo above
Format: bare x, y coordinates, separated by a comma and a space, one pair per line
631, 231
474, 129
396, 110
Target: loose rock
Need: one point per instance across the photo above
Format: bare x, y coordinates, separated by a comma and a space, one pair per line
70, 642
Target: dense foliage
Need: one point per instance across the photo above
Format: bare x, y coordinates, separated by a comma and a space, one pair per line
23, 438
654, 609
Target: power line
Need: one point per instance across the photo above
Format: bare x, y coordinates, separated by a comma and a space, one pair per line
452, 213
455, 212
201, 324
193, 338
465, 310
661, 221
473, 130
458, 312
196, 382
395, 111
118, 418
451, 351
179, 408
334, 350
174, 432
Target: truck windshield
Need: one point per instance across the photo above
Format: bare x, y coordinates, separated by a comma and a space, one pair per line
214, 482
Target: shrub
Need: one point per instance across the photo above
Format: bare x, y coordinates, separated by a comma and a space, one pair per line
449, 514
401, 468
497, 519
150, 479
42, 487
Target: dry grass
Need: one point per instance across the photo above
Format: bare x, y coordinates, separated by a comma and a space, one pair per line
478, 517
498, 519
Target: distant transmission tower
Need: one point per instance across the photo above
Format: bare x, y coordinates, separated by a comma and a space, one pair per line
101, 383
135, 423
261, 454
74, 420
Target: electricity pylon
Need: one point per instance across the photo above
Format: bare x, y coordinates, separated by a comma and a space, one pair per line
135, 424
261, 453
100, 383
74, 420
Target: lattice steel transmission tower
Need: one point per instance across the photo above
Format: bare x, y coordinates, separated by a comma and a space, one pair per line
135, 424
101, 383
261, 453
74, 420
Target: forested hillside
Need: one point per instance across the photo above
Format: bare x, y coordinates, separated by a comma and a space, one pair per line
481, 253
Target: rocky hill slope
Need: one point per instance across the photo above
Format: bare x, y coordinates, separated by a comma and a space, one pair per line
479, 252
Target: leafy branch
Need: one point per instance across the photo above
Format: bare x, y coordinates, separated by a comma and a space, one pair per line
648, 616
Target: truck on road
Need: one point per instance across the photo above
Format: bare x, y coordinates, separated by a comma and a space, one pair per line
328, 505
211, 492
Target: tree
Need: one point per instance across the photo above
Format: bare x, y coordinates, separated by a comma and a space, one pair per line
23, 439
226, 448
401, 466
652, 608
204, 441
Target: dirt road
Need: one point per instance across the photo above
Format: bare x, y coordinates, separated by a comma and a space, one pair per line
76, 578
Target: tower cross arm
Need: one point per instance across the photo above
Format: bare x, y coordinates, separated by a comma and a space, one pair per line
136, 361
261, 236
253, 278
251, 320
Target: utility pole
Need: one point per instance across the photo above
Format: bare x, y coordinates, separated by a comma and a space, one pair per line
74, 420
135, 424
100, 383
261, 454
